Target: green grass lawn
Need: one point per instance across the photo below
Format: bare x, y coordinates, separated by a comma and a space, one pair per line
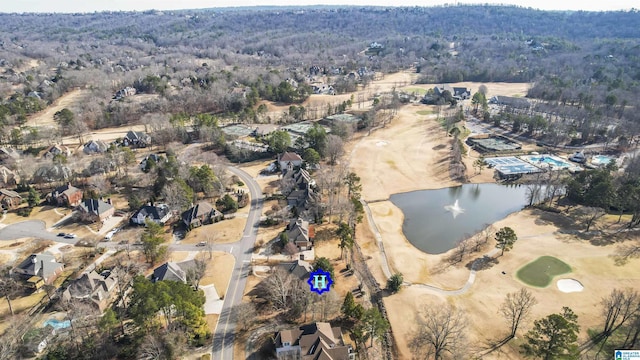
425, 112
418, 91
541, 271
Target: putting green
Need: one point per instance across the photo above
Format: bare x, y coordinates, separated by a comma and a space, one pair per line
541, 271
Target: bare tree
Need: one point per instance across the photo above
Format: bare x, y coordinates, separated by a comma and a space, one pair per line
334, 148
152, 348
440, 330
11, 338
290, 249
245, 315
588, 215
618, 308
195, 273
8, 287
516, 307
277, 289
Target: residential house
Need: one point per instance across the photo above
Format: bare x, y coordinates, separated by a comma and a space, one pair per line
66, 195
136, 139
300, 269
122, 93
159, 214
289, 161
300, 233
157, 158
8, 177
9, 199
301, 192
95, 147
96, 289
42, 266
52, 172
93, 210
200, 214
8, 155
172, 271
54, 150
313, 342
323, 89
458, 93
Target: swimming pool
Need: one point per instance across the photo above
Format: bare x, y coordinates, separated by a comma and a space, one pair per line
554, 162
57, 324
601, 159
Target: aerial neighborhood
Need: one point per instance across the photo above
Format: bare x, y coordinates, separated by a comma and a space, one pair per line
322, 182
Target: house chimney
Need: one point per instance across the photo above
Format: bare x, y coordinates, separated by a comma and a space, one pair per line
109, 201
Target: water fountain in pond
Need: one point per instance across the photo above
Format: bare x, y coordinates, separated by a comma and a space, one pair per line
455, 209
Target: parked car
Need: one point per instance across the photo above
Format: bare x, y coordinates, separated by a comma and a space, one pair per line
62, 234
201, 243
70, 236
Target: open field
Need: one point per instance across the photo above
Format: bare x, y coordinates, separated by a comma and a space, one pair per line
541, 271
45, 117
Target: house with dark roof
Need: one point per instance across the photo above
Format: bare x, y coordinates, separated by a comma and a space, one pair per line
95, 147
159, 214
66, 195
172, 271
317, 341
43, 266
300, 192
9, 199
93, 210
458, 93
511, 101
289, 160
96, 289
299, 232
136, 139
299, 268
200, 214
8, 177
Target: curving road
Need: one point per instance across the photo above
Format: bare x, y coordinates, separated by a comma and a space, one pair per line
223, 337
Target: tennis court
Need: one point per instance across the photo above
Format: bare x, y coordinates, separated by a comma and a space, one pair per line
511, 165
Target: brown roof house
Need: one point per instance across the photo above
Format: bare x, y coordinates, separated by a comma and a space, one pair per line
9, 199
289, 161
8, 177
92, 210
200, 214
318, 341
96, 289
66, 195
300, 234
42, 266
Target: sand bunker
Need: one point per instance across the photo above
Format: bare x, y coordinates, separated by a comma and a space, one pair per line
381, 143
569, 285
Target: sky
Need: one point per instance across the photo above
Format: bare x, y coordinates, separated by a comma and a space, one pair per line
67, 6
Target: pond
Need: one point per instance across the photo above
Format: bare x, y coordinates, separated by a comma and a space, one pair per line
435, 220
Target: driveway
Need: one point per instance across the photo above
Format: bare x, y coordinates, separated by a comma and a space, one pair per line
31, 228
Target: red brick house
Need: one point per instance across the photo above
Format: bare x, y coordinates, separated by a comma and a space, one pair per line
66, 195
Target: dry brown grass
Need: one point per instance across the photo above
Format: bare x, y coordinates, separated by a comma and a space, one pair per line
44, 213
219, 270
223, 232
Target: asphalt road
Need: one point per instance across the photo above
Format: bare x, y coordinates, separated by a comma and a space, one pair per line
31, 228
223, 338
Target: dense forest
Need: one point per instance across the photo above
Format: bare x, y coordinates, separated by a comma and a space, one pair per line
583, 64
